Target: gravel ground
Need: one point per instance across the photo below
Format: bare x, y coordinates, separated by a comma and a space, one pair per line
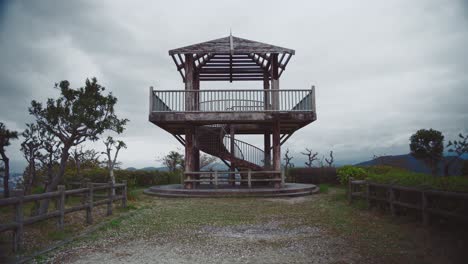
266, 243
320, 228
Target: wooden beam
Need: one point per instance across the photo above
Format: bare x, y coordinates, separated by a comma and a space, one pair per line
276, 150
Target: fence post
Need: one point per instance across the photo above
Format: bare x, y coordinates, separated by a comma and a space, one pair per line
425, 215
124, 194
368, 195
350, 190
89, 209
249, 178
18, 235
216, 178
61, 205
391, 199
110, 198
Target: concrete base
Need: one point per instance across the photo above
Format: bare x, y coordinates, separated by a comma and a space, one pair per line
208, 191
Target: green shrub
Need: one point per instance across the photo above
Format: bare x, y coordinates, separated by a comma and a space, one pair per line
420, 180
324, 187
351, 171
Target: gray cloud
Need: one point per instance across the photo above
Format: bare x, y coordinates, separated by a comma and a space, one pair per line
383, 69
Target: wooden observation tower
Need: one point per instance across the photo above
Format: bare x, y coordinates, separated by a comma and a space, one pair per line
209, 120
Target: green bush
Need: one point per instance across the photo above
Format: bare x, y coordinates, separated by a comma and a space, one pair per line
133, 178
351, 171
421, 180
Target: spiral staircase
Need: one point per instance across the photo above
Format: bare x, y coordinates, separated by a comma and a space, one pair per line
216, 141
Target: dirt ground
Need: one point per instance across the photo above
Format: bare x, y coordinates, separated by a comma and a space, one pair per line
313, 229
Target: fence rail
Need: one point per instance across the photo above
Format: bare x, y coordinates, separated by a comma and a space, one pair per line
213, 177
409, 197
89, 193
258, 100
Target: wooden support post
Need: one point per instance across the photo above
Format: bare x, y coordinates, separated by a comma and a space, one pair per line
266, 94
267, 150
124, 194
368, 195
19, 231
425, 214
89, 209
189, 74
275, 81
276, 152
110, 198
216, 179
350, 190
189, 157
232, 148
391, 194
249, 178
61, 205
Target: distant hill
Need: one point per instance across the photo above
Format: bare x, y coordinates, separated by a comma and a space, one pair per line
148, 169
412, 164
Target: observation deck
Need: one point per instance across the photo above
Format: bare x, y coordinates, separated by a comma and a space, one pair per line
253, 110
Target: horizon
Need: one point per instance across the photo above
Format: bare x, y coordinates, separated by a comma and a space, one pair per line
379, 77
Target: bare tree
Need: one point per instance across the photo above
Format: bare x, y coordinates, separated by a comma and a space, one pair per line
311, 157
207, 161
331, 160
5, 137
287, 160
111, 144
31, 147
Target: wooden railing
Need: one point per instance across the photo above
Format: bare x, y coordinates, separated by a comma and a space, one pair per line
422, 200
88, 202
214, 177
257, 100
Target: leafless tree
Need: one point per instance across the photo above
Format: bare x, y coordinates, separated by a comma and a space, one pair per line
311, 157
331, 160
112, 144
287, 160
207, 161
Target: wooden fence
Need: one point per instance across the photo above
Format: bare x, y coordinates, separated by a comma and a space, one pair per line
313, 175
425, 201
89, 200
215, 177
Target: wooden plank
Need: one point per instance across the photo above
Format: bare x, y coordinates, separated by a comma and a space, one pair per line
89, 209
61, 206
19, 214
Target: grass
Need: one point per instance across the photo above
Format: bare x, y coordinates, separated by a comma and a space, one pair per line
375, 235
324, 187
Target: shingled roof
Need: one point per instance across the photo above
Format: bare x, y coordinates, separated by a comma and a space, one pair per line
231, 58
223, 46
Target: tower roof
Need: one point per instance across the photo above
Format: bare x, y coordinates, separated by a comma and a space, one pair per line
224, 46
231, 58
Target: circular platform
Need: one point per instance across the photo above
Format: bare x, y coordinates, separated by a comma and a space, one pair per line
176, 190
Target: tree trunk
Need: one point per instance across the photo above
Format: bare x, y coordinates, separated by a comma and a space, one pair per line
56, 178
111, 172
6, 176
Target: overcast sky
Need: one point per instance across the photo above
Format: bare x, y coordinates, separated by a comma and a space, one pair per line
382, 69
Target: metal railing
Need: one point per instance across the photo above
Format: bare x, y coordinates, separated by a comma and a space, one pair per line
245, 151
232, 100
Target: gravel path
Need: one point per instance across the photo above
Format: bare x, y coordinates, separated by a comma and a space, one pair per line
267, 243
